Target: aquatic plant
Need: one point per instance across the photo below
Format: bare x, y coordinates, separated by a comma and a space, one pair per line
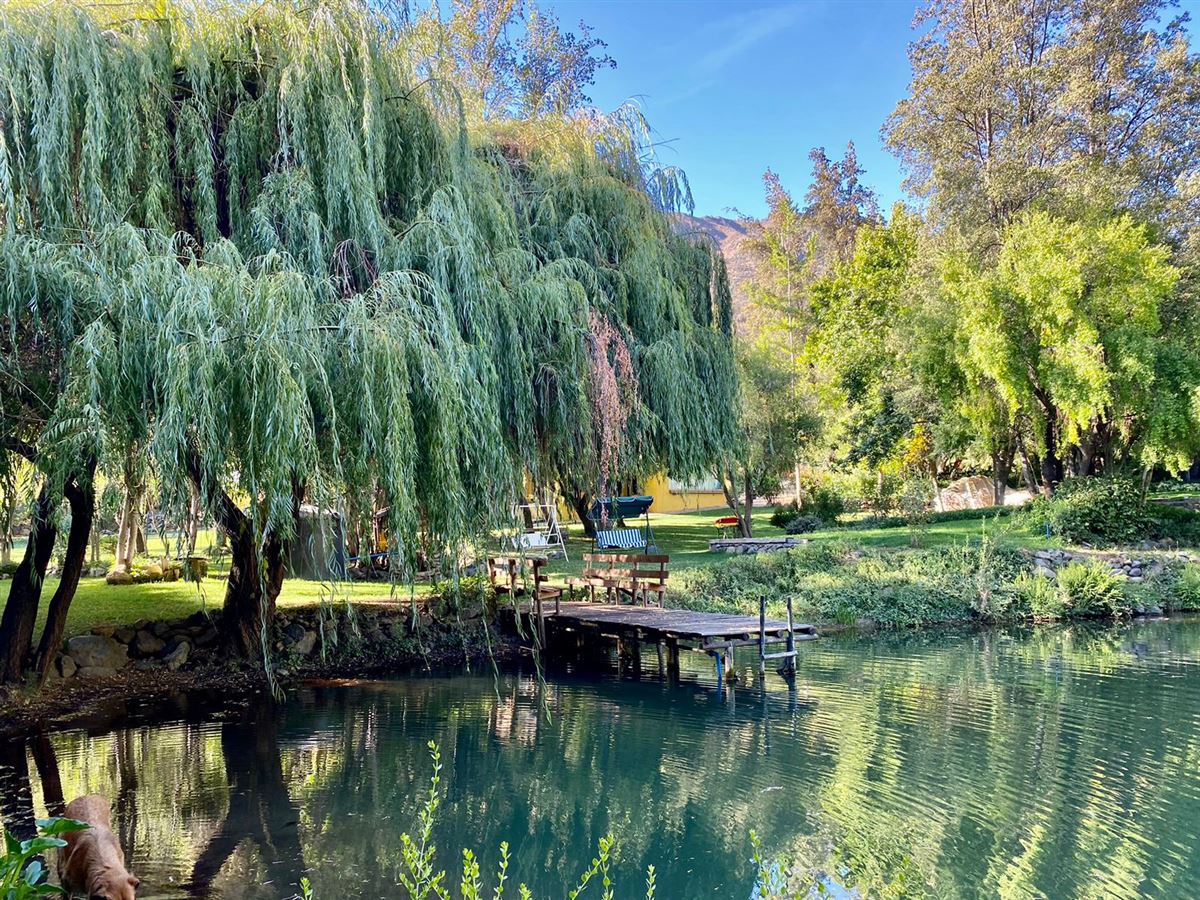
23, 872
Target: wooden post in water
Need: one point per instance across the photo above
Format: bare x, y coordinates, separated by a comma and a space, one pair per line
762, 636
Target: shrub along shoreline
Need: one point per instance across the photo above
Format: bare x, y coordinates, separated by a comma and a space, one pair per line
835, 583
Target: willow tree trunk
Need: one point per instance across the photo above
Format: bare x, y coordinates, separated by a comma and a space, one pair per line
82, 499
25, 591
581, 502
253, 586
255, 578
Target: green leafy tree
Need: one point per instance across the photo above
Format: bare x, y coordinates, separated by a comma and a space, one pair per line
1071, 328
284, 275
1065, 103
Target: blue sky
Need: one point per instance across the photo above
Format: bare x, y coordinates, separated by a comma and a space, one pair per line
737, 87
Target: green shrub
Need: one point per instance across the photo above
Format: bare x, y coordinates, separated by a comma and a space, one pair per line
1094, 510
824, 502
9, 569
1039, 596
1174, 523
934, 518
1090, 589
784, 514
804, 524
1184, 592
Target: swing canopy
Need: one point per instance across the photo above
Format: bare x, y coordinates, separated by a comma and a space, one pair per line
620, 507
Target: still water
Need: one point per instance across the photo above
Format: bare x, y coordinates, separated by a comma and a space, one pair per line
1055, 762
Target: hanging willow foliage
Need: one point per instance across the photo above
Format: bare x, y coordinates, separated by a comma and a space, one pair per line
273, 256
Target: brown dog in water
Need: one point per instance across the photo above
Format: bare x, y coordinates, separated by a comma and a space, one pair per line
92, 862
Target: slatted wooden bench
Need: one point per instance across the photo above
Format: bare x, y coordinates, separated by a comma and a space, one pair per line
637, 576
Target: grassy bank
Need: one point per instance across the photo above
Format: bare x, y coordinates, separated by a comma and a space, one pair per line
985, 579
904, 573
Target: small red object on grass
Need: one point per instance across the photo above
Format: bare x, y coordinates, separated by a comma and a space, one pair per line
726, 521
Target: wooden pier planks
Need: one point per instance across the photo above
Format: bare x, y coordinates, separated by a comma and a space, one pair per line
651, 625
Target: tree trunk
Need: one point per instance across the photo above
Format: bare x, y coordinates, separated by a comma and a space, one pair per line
747, 518
193, 523
82, 499
254, 579
1028, 467
729, 489
1002, 461
8, 514
25, 591
581, 502
1052, 468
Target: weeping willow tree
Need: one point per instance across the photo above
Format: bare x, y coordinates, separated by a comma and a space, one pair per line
246, 244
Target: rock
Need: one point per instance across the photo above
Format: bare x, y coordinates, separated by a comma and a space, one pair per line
92, 651
1044, 572
293, 632
148, 645
66, 666
207, 637
1154, 611
160, 629
124, 635
972, 492
306, 643
116, 577
91, 672
104, 630
97, 572
1136, 579
178, 656
1135, 573
147, 665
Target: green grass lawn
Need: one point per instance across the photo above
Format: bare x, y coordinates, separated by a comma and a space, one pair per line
683, 536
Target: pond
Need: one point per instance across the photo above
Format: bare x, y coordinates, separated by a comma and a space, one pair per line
1059, 762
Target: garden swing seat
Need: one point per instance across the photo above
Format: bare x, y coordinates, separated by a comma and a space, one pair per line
617, 509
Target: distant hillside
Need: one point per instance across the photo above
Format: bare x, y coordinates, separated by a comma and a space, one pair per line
731, 236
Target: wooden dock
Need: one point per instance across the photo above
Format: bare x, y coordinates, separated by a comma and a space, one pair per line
673, 629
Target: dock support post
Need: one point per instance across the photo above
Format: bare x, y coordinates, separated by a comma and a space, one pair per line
672, 660
658, 650
762, 636
719, 659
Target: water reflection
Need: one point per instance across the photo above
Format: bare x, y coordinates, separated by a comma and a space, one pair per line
1044, 762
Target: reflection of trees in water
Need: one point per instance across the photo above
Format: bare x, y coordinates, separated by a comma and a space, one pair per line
260, 813
1051, 761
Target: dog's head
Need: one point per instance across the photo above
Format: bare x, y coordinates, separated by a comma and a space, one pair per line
113, 884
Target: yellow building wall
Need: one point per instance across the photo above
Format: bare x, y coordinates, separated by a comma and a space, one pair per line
668, 501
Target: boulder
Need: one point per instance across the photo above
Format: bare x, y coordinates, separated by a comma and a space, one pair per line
115, 577
293, 632
96, 651
154, 572
147, 644
147, 665
124, 635
207, 637
104, 630
97, 572
178, 656
90, 672
160, 629
306, 643
972, 492
66, 666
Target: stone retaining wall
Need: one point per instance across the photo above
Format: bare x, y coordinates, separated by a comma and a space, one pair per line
754, 545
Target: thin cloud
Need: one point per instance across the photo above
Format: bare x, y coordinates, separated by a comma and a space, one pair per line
743, 31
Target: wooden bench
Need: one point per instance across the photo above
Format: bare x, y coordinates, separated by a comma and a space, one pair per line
506, 575
635, 575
